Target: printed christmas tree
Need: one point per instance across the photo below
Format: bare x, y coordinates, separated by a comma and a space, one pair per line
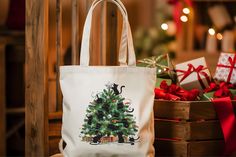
109, 118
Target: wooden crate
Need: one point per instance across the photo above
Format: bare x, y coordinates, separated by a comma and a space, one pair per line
186, 129
186, 148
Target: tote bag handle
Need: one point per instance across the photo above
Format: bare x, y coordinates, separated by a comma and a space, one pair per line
126, 37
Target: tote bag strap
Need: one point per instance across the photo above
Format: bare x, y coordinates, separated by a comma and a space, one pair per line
126, 37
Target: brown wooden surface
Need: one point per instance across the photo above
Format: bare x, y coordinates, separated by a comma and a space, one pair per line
65, 38
15, 128
55, 128
98, 41
4, 6
20, 110
206, 148
171, 129
185, 110
53, 145
54, 131
171, 110
190, 35
59, 60
12, 37
185, 36
112, 51
182, 130
54, 136
36, 143
55, 116
187, 149
2, 102
52, 95
75, 32
171, 148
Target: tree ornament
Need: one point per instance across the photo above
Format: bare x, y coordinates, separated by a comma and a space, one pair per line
109, 116
115, 121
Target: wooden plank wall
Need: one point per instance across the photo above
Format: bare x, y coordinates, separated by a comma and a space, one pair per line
2, 102
98, 42
111, 44
36, 143
75, 32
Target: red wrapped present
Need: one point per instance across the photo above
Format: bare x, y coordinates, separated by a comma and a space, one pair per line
173, 92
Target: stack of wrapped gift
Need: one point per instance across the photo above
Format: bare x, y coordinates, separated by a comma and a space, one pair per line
194, 116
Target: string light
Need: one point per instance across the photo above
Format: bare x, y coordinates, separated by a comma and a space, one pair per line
211, 31
184, 18
186, 11
164, 26
219, 36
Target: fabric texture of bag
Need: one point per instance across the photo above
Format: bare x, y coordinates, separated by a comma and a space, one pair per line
108, 110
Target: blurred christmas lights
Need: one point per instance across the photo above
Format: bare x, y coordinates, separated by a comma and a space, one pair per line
164, 26
184, 18
219, 36
186, 11
211, 31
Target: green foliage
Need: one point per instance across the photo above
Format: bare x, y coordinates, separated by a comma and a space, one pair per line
153, 40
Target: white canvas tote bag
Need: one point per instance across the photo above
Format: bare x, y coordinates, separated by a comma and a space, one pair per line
108, 110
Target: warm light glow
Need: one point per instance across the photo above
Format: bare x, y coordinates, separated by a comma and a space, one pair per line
164, 26
219, 36
211, 31
186, 10
184, 18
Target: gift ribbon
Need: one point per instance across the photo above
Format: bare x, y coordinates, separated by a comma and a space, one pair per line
199, 70
221, 90
154, 62
232, 66
226, 115
174, 92
161, 94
